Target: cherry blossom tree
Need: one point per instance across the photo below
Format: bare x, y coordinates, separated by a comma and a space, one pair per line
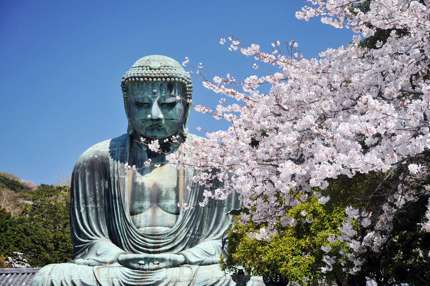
359, 109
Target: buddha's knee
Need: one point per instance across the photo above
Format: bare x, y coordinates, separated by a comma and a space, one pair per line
64, 274
42, 276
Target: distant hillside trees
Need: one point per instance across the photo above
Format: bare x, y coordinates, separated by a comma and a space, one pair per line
40, 229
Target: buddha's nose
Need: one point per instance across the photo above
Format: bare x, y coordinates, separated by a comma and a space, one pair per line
156, 111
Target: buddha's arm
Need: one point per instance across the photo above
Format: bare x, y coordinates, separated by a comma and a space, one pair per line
91, 243
213, 221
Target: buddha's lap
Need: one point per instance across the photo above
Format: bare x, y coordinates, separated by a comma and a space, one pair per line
115, 275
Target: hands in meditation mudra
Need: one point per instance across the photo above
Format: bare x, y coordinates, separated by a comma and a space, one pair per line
128, 222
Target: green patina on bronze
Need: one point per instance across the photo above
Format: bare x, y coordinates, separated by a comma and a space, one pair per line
129, 226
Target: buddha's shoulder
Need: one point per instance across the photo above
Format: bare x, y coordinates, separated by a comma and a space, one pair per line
103, 150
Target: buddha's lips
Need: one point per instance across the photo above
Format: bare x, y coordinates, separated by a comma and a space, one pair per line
155, 126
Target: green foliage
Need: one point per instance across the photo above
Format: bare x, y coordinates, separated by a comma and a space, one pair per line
294, 252
366, 191
42, 231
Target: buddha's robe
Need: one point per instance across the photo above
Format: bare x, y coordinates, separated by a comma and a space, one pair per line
102, 227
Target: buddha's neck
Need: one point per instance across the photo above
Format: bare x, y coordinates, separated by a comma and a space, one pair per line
140, 153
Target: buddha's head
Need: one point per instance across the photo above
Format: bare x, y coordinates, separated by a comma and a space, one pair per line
157, 97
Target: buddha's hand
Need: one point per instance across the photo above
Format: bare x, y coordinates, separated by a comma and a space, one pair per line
150, 261
100, 252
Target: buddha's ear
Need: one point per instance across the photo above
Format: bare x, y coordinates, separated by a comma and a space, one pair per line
126, 98
130, 129
126, 105
187, 106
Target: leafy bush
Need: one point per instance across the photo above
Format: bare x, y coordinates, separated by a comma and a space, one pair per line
42, 231
295, 252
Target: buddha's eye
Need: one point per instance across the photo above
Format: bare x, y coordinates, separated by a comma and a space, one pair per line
170, 88
168, 105
142, 104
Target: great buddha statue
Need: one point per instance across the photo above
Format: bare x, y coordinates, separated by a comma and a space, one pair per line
135, 215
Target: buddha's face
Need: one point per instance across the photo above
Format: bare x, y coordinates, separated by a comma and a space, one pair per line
156, 109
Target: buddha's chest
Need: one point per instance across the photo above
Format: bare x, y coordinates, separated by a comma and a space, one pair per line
154, 197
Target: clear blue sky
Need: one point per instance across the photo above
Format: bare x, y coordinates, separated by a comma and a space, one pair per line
62, 62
